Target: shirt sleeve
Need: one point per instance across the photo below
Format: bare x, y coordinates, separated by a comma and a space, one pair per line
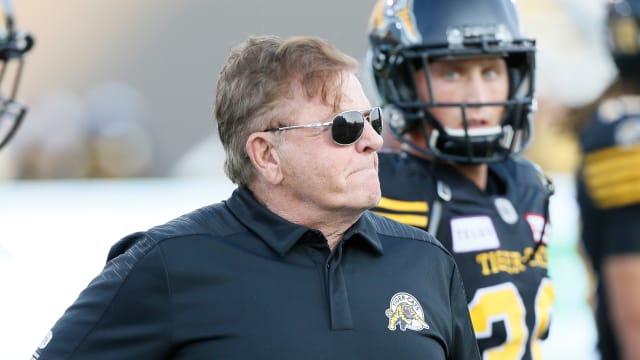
464, 345
122, 314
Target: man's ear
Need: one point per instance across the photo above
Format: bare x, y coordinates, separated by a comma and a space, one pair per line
264, 157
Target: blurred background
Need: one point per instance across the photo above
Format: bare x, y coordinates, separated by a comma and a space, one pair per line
120, 137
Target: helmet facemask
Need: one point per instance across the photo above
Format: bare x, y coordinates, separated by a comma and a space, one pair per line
13, 46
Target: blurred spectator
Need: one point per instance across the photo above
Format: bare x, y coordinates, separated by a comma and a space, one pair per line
53, 143
119, 143
99, 135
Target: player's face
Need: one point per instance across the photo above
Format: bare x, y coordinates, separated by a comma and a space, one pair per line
474, 80
323, 174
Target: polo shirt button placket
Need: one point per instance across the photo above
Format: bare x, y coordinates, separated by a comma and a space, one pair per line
340, 309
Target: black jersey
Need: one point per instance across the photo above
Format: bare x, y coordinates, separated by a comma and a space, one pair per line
236, 281
608, 188
495, 237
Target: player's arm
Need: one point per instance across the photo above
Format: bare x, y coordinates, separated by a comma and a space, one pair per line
621, 276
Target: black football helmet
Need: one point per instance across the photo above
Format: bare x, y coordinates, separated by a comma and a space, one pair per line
407, 35
14, 44
623, 25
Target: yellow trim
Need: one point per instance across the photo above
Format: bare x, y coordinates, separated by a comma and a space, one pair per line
413, 220
407, 206
377, 15
405, 15
600, 159
612, 177
620, 195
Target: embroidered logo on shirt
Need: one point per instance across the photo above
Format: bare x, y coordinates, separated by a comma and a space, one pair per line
406, 312
43, 344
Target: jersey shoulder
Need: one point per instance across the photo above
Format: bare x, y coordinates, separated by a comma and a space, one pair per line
523, 173
211, 220
611, 153
408, 188
405, 177
616, 123
387, 227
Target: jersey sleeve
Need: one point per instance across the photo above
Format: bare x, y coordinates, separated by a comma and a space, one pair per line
609, 176
122, 314
611, 148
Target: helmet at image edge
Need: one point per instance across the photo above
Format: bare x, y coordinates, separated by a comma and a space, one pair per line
14, 44
623, 29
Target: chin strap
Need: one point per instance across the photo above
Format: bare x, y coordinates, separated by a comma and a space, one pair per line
444, 195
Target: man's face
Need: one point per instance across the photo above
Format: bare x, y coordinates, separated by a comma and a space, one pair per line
322, 173
474, 80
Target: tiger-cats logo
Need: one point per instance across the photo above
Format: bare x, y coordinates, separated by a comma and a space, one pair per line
406, 312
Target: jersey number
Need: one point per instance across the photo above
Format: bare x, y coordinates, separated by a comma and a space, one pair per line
503, 303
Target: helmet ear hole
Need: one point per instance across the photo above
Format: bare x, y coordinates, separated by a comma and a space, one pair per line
519, 75
396, 82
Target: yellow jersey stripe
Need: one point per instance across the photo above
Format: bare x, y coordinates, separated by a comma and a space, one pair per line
413, 220
603, 162
620, 195
406, 206
612, 178
601, 156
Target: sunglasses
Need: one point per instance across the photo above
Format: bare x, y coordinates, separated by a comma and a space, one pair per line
346, 127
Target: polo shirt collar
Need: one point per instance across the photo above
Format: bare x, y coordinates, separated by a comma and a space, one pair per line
280, 234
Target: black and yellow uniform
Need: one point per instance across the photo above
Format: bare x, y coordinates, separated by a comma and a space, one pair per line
494, 236
236, 281
608, 187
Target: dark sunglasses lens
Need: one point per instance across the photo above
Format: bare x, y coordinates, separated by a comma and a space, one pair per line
347, 127
375, 116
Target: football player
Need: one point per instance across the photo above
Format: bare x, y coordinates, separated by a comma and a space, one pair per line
14, 44
456, 79
608, 184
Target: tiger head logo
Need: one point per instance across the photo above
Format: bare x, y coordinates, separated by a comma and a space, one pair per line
405, 312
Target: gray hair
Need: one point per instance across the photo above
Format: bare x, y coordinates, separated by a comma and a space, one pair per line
260, 75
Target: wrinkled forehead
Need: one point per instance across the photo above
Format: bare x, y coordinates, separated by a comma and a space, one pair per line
344, 94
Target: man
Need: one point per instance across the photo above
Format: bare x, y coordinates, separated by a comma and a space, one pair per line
14, 44
292, 265
457, 81
607, 187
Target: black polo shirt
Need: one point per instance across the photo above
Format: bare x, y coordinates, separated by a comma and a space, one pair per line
235, 281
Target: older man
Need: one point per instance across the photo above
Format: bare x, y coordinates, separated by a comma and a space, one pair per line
292, 265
